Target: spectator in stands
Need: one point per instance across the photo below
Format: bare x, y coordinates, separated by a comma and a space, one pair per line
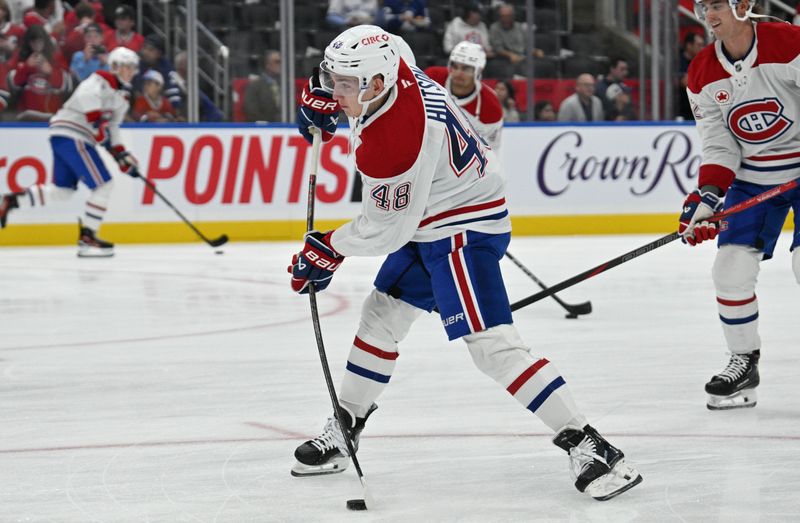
10, 34
404, 15
505, 93
544, 111
176, 92
583, 106
40, 79
41, 14
469, 27
123, 33
617, 73
152, 57
151, 105
621, 108
347, 13
94, 56
262, 98
507, 38
796, 19
83, 15
73, 18
693, 43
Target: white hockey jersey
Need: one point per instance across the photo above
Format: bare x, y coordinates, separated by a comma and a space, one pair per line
426, 173
94, 111
748, 111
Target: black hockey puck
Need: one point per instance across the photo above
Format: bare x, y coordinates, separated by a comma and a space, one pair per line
356, 504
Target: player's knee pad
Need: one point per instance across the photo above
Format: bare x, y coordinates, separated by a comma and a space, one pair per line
101, 194
498, 351
385, 318
796, 263
735, 271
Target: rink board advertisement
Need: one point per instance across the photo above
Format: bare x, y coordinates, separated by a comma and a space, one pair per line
251, 181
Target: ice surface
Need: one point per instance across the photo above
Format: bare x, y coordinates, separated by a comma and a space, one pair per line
171, 384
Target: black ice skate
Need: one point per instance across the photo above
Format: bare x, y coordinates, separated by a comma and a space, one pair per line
90, 246
327, 453
598, 467
735, 386
7, 202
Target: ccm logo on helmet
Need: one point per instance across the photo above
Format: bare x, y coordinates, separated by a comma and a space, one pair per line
758, 121
369, 40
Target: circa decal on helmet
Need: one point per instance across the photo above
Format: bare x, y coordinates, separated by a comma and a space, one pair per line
337, 44
375, 39
758, 121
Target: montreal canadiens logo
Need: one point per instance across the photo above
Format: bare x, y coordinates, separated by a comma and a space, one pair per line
758, 121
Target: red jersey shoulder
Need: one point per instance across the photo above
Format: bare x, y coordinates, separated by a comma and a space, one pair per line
437, 73
391, 144
491, 110
778, 42
705, 69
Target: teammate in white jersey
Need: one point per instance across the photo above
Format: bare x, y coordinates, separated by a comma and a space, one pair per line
462, 78
745, 94
90, 117
434, 203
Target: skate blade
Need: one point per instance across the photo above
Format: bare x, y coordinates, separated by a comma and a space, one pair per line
744, 399
95, 253
619, 479
335, 466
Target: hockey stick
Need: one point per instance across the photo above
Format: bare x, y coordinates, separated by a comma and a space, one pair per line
367, 501
644, 249
573, 310
215, 242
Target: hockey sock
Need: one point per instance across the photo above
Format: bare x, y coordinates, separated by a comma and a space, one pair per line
534, 382
369, 369
43, 194
385, 322
96, 206
735, 271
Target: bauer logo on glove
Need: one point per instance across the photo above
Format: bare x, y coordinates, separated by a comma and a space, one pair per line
315, 264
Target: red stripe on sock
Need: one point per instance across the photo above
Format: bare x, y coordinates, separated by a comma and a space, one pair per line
525, 376
90, 204
375, 351
735, 303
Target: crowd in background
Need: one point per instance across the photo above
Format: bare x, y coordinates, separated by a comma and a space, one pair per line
48, 46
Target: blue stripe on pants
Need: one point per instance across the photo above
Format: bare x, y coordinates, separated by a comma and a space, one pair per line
366, 373
542, 397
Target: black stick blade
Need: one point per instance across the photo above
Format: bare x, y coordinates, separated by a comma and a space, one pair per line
217, 242
356, 504
580, 309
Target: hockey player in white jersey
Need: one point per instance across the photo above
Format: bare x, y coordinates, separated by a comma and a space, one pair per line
462, 78
90, 117
434, 202
745, 93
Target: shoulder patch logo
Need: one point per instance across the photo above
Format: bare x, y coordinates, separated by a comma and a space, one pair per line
405, 83
758, 121
722, 97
